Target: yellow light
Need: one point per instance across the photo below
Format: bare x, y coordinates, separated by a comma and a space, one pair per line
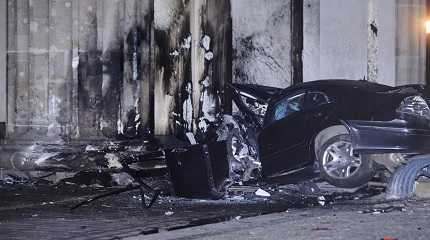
428, 26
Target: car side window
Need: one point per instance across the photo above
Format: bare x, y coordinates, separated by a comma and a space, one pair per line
317, 99
287, 106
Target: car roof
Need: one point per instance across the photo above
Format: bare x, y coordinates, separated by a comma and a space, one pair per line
340, 83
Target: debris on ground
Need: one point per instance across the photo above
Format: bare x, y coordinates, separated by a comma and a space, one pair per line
260, 192
403, 182
321, 200
384, 208
169, 213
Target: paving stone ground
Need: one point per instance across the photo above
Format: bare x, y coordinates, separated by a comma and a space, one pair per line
43, 211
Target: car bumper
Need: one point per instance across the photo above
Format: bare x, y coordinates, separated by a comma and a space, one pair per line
388, 137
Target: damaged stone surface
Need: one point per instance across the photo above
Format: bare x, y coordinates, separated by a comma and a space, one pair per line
262, 42
192, 68
82, 71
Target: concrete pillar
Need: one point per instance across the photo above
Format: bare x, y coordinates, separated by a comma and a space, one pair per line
172, 56
311, 40
3, 57
193, 59
136, 79
39, 65
382, 41
343, 39
359, 41
410, 42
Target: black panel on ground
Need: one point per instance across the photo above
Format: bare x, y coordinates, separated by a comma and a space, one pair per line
199, 171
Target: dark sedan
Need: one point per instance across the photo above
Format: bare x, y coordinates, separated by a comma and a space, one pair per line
282, 131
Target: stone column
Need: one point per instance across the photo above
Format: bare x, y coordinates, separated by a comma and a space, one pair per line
3, 58
193, 59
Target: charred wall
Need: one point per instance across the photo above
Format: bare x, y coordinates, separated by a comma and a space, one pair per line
78, 69
100, 69
192, 64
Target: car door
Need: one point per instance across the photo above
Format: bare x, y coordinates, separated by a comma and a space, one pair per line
321, 111
282, 142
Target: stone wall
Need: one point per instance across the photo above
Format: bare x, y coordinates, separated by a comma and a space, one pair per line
262, 42
77, 69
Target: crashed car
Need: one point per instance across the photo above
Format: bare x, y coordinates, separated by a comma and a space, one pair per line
284, 131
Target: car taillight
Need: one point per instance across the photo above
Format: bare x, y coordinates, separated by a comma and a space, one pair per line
414, 106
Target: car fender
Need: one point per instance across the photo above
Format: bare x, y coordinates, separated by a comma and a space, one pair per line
396, 136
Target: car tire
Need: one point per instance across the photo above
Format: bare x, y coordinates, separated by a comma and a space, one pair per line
339, 168
402, 183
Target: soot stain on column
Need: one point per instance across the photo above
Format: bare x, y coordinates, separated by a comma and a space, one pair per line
134, 41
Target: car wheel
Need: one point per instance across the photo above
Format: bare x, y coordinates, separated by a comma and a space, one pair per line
339, 167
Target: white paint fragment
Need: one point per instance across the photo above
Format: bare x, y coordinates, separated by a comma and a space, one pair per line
113, 161
209, 56
238, 217
75, 62
208, 102
191, 138
203, 126
137, 118
321, 200
120, 127
103, 124
91, 148
260, 192
136, 105
187, 108
186, 43
174, 53
169, 213
206, 42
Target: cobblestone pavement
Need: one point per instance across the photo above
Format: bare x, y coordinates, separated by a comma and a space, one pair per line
43, 212
407, 220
